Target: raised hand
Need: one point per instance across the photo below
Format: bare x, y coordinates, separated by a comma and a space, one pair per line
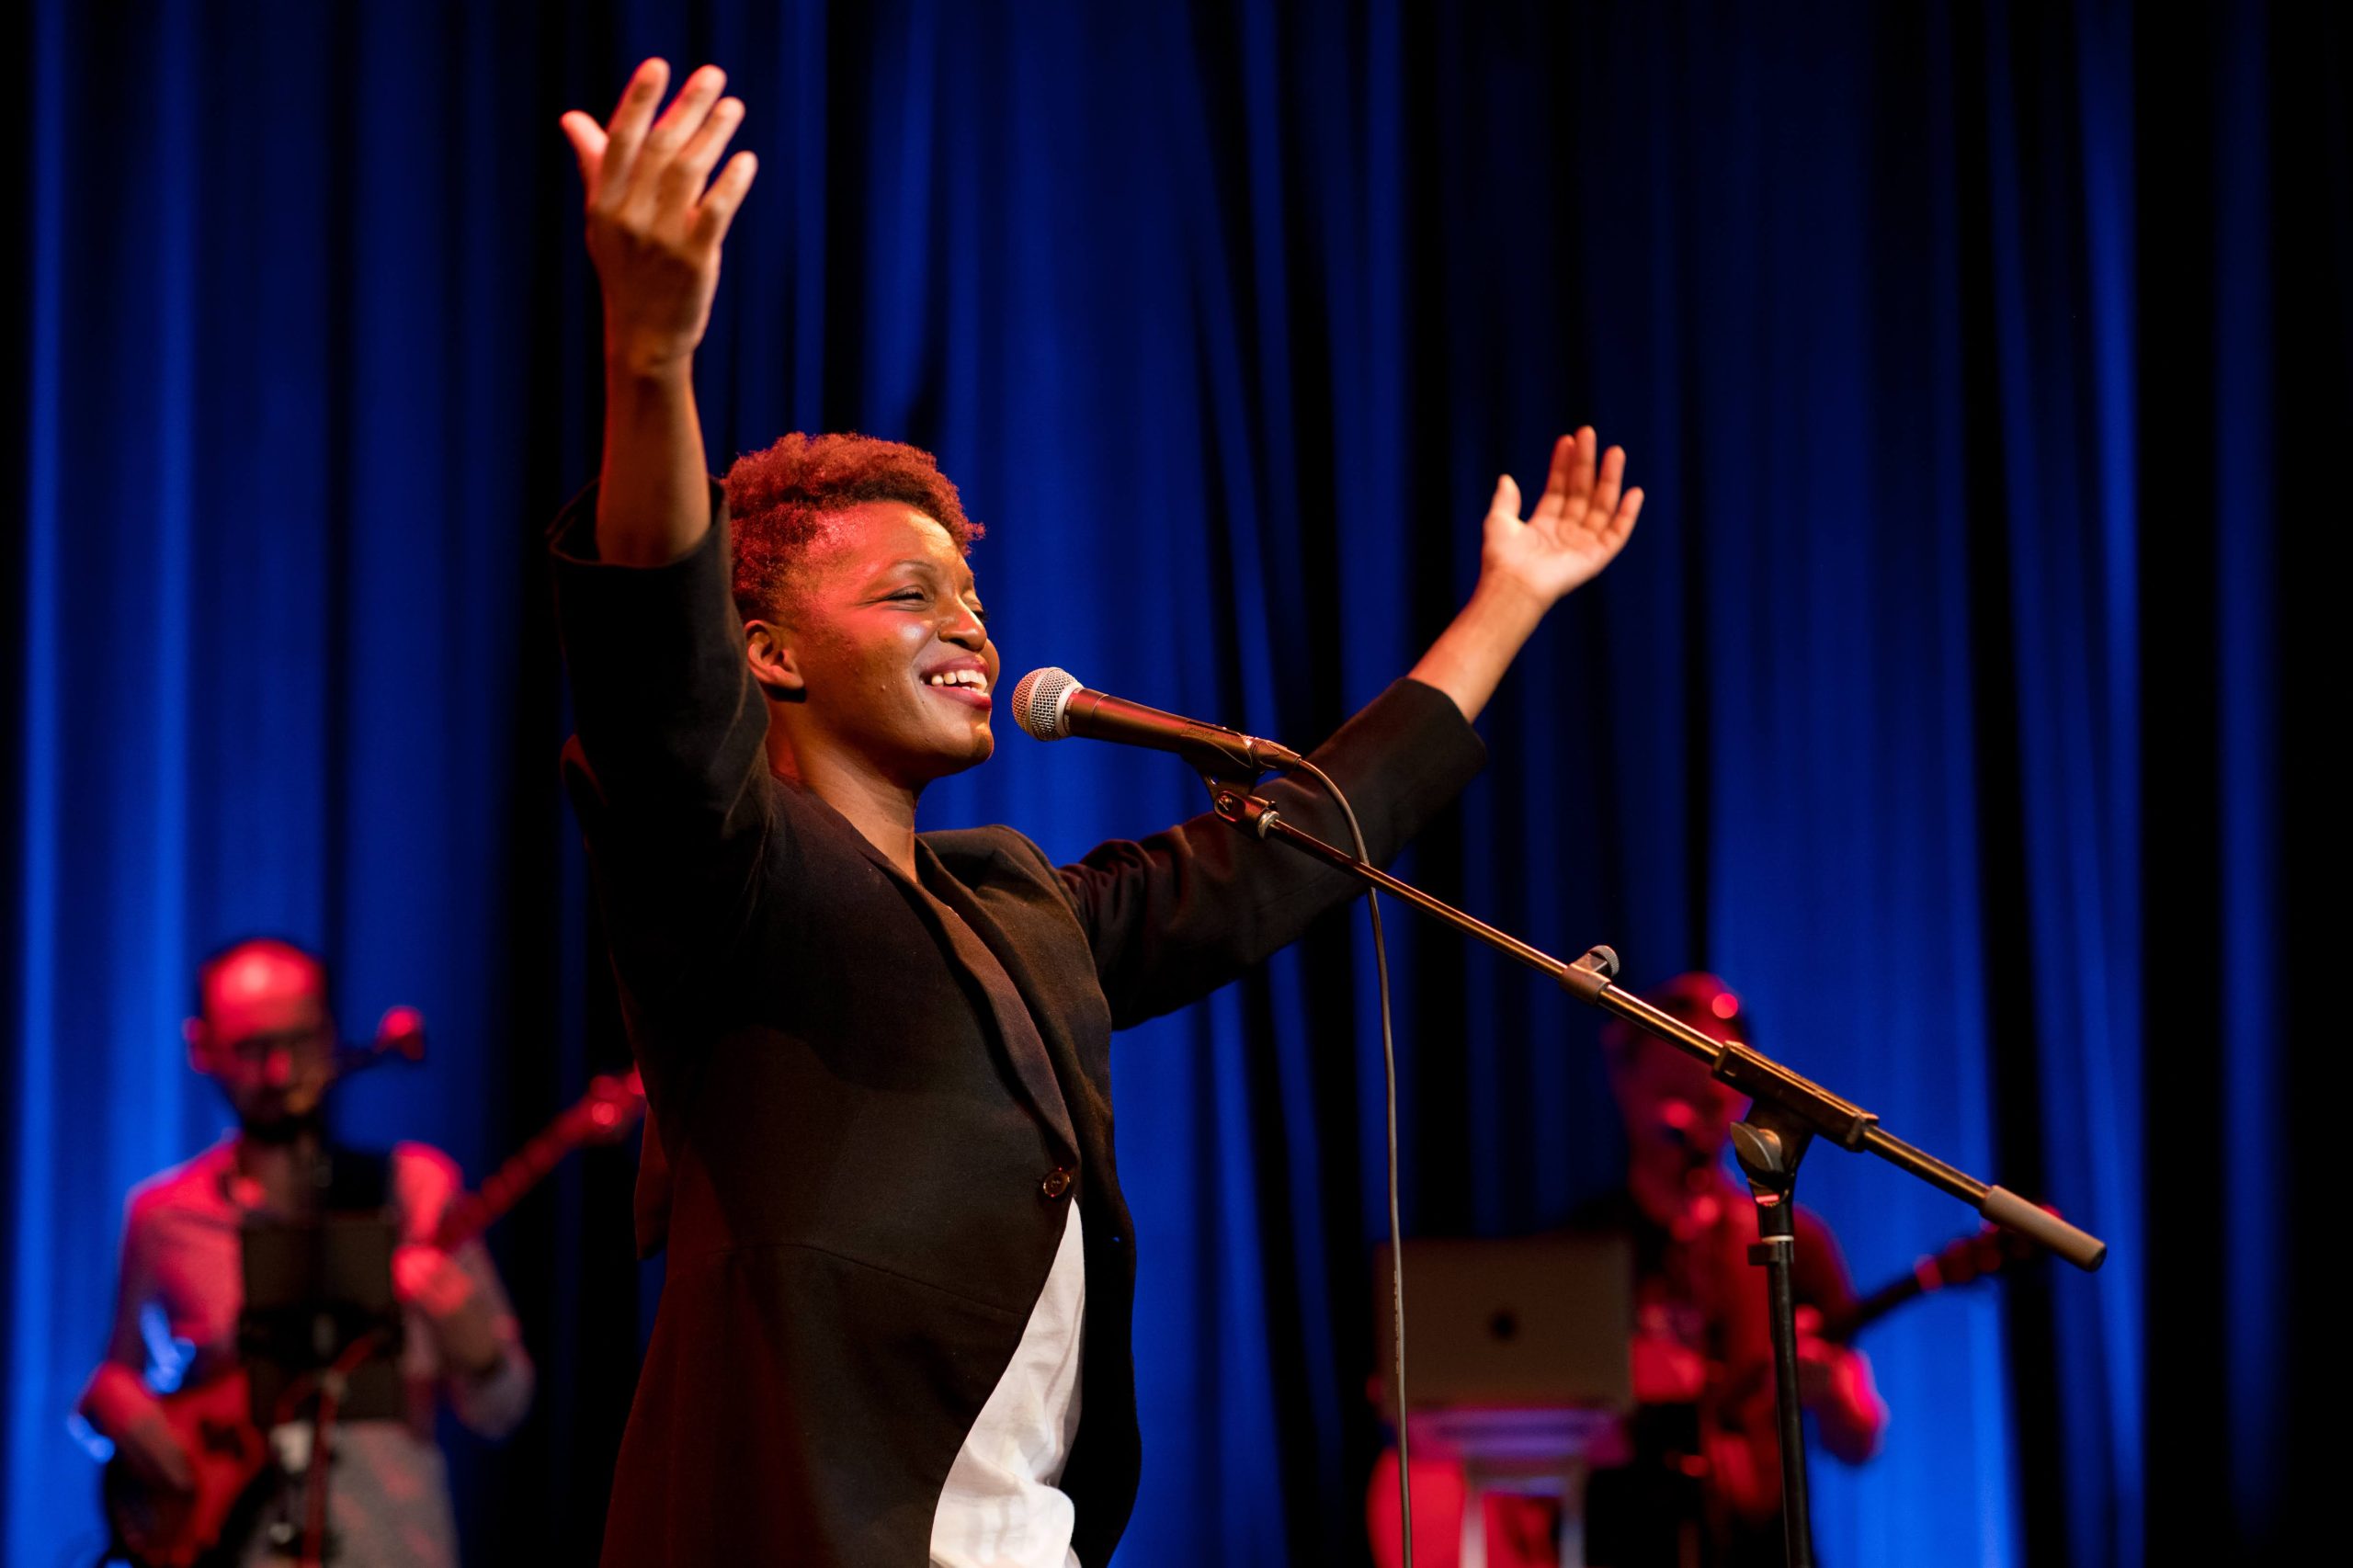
655, 222
1525, 565
656, 219
1579, 523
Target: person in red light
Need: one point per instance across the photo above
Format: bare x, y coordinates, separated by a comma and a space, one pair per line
1704, 1481
895, 1322
264, 1034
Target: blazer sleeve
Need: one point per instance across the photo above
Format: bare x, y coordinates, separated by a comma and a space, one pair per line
667, 766
1178, 914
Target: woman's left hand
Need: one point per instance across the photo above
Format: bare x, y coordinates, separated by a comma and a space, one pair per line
1579, 523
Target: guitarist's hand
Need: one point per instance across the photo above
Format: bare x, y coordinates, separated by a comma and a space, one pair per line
431, 1281
156, 1454
1835, 1383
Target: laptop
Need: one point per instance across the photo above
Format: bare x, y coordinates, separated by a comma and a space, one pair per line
1532, 1322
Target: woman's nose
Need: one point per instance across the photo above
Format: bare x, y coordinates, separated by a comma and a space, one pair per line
965, 629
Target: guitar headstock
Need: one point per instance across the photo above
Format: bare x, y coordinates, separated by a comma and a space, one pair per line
610, 1107
401, 1033
1978, 1256
603, 1115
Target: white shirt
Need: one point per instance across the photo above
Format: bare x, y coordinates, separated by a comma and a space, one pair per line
1001, 1507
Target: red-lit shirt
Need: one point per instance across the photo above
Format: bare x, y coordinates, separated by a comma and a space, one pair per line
182, 1281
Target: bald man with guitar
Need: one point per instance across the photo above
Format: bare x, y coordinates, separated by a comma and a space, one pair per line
189, 1483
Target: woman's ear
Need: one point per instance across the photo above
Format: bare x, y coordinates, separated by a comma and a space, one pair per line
774, 668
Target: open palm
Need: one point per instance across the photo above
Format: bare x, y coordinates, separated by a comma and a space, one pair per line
1579, 523
656, 218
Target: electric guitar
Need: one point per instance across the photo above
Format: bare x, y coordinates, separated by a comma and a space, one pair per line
157, 1527
1964, 1260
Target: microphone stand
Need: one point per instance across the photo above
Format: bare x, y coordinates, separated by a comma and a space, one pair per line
1787, 1113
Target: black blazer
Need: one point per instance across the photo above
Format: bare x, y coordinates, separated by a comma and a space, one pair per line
871, 1136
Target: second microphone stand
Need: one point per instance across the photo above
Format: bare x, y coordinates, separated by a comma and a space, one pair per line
1787, 1111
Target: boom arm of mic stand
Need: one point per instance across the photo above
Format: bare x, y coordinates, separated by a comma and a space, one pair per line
1757, 1075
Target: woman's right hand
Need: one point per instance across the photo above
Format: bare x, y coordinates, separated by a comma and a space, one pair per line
656, 219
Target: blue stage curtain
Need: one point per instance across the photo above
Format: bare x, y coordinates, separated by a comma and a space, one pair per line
1980, 360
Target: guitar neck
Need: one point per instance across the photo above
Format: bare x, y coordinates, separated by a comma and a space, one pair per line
1869, 1310
598, 1115
1965, 1261
479, 1209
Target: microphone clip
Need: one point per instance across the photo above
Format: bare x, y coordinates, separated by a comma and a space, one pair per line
1232, 802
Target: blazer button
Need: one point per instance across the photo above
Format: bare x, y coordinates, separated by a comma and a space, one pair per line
1057, 1182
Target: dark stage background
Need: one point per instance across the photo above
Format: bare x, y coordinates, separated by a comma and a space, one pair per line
1959, 698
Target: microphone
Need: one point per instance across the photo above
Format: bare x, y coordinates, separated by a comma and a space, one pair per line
400, 1037
400, 1032
1050, 705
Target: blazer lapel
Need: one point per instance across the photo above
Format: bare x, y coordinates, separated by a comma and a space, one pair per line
1021, 1025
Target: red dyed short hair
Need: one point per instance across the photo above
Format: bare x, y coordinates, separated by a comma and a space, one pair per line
778, 498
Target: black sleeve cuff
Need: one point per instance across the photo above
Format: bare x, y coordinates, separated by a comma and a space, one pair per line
1403, 756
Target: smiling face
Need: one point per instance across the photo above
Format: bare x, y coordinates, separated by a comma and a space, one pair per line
879, 653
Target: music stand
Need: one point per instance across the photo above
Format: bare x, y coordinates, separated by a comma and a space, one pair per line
319, 1332
1520, 1368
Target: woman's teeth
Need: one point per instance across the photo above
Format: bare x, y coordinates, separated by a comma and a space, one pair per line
973, 678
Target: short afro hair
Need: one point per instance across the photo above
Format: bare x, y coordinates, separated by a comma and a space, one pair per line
778, 498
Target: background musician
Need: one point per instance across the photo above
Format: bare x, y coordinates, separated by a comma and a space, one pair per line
265, 1035
1702, 1483
1702, 1357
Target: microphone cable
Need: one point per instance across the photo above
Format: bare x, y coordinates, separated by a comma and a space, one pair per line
1396, 1225
1038, 707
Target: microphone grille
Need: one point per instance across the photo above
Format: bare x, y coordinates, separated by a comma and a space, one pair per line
1039, 699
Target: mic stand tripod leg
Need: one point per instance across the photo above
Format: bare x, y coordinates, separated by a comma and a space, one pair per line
1769, 1147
